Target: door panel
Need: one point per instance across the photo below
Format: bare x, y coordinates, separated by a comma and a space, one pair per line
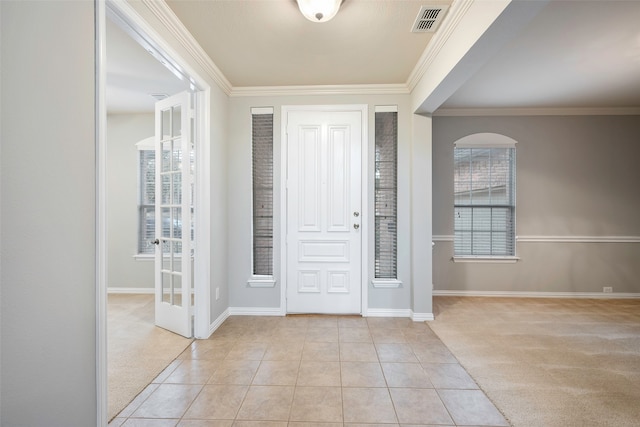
174, 189
323, 211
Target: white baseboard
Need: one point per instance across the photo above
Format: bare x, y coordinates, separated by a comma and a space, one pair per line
518, 294
388, 312
216, 323
422, 317
118, 290
255, 311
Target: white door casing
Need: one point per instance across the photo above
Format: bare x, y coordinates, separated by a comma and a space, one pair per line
325, 222
175, 162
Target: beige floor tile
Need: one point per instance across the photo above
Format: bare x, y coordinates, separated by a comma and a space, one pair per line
471, 407
238, 372
193, 371
267, 403
449, 375
247, 351
139, 400
358, 352
168, 401
389, 322
315, 373
277, 373
318, 404
322, 322
205, 423
322, 334
408, 375
311, 424
355, 335
260, 424
116, 422
395, 352
433, 352
168, 371
352, 322
149, 422
388, 335
419, 406
321, 351
218, 402
362, 374
277, 351
368, 405
212, 350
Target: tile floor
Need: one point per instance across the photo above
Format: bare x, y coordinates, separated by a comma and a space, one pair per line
314, 371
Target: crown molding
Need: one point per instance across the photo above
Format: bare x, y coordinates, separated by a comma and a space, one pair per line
168, 18
456, 12
594, 111
374, 89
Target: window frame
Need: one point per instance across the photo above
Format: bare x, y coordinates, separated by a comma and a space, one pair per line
147, 144
490, 141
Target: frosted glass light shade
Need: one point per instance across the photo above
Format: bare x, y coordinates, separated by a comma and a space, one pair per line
319, 10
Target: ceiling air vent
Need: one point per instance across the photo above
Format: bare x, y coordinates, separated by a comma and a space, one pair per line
429, 19
159, 96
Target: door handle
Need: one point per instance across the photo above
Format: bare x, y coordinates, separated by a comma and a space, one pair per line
156, 242
356, 226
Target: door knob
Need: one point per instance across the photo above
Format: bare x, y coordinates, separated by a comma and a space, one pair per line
356, 214
356, 226
156, 242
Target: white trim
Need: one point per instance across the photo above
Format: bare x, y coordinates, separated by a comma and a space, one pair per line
389, 312
255, 311
475, 112
177, 29
364, 211
386, 109
146, 144
523, 294
101, 375
443, 237
485, 140
217, 323
422, 317
373, 89
127, 290
449, 24
487, 259
386, 283
261, 110
261, 282
578, 239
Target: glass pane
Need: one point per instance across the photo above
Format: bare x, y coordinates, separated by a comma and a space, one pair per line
166, 189
166, 222
177, 121
166, 156
167, 287
481, 244
165, 119
177, 223
177, 259
176, 188
177, 289
481, 220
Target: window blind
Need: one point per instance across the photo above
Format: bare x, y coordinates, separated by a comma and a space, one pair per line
484, 201
147, 200
262, 152
386, 194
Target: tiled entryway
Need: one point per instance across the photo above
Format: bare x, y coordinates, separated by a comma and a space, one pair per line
314, 371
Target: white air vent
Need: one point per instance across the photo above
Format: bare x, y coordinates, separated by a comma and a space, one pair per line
159, 96
429, 19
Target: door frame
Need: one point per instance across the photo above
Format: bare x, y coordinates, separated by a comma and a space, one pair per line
141, 31
363, 109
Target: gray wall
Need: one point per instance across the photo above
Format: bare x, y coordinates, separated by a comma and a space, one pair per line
239, 202
123, 131
48, 214
576, 176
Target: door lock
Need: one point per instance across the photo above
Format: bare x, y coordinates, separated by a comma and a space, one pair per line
356, 214
356, 226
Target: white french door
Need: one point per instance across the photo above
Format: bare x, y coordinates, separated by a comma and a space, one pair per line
175, 161
324, 201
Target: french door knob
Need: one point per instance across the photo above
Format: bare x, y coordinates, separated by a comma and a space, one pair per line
156, 242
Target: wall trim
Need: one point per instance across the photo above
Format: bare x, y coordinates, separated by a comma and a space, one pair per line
127, 290
386, 283
558, 239
388, 312
168, 18
422, 317
264, 282
473, 112
255, 311
217, 323
370, 89
526, 294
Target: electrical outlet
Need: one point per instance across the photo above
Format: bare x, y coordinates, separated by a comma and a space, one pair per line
607, 289
217, 294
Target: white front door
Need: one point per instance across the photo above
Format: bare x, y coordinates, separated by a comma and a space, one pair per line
173, 218
324, 205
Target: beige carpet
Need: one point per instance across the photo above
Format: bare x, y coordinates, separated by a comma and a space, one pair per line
549, 362
137, 351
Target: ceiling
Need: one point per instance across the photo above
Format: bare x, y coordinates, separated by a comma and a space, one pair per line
573, 54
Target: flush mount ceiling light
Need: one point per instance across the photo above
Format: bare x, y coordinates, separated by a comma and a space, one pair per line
319, 10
